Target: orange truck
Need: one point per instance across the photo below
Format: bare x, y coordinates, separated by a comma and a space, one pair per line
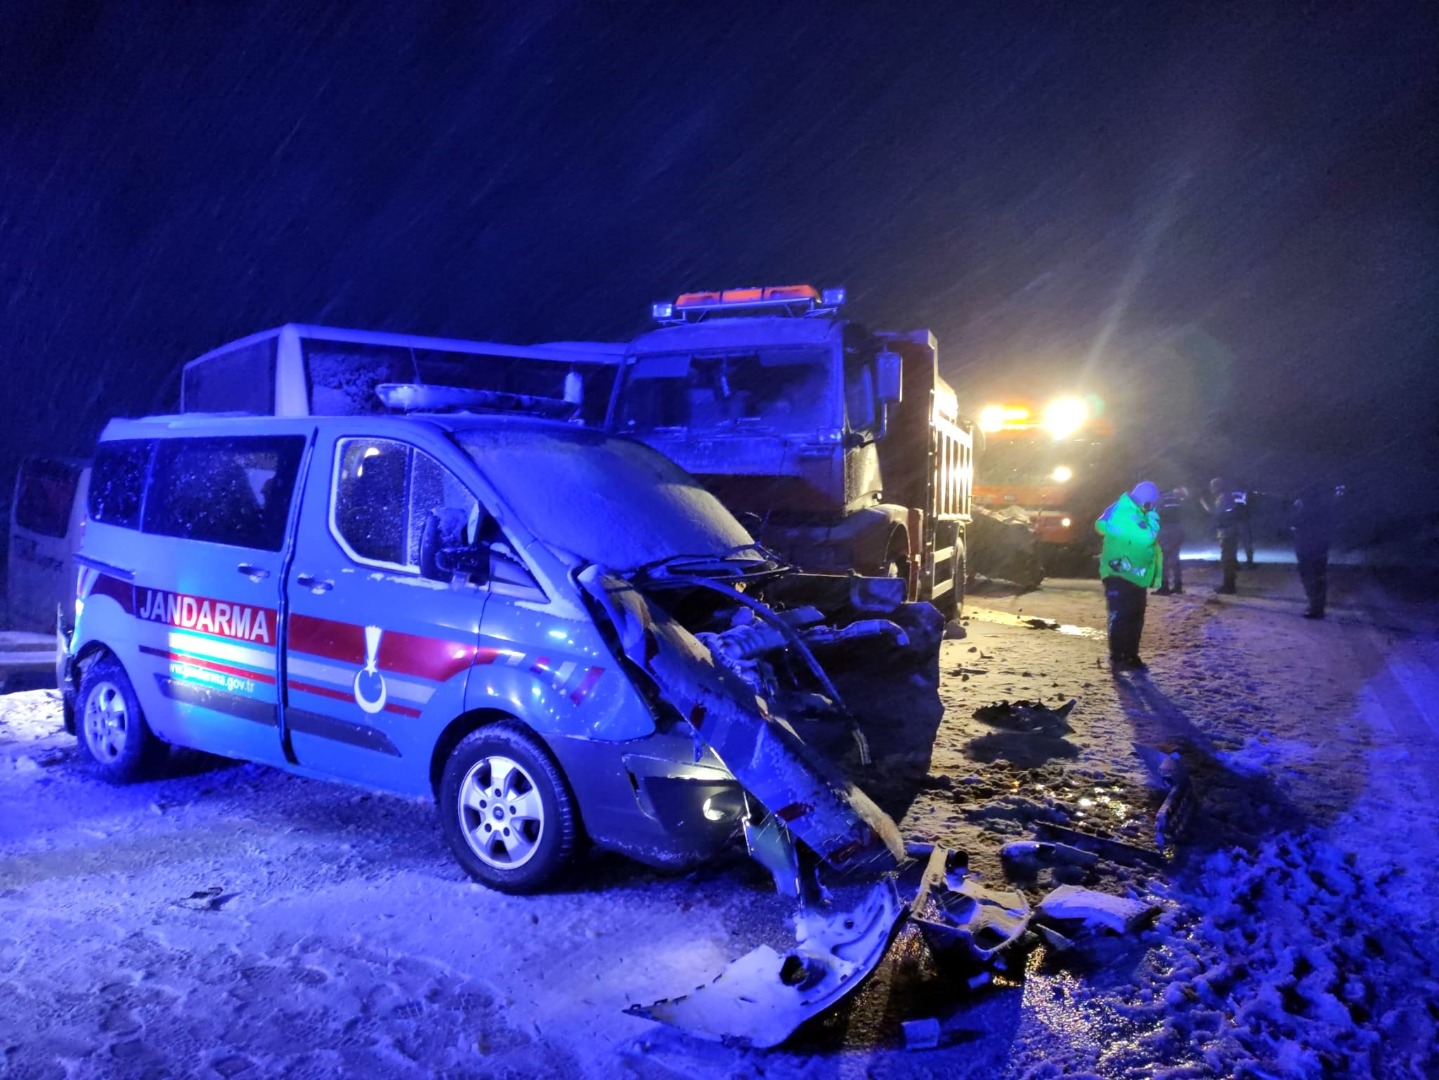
1053, 462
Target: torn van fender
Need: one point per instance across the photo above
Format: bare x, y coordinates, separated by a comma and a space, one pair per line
810, 796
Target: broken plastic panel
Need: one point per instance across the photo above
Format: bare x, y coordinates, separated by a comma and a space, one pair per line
761, 998
973, 922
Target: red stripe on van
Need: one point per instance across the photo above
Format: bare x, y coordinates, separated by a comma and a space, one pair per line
424, 657
122, 592
344, 642
592, 676
435, 659
341, 695
322, 691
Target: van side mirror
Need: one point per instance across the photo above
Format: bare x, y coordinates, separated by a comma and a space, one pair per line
473, 562
887, 372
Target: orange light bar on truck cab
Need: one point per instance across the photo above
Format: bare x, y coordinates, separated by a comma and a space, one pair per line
770, 294
792, 299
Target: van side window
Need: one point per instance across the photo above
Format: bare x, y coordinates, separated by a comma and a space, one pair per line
343, 375
384, 495
117, 482
44, 495
238, 380
224, 490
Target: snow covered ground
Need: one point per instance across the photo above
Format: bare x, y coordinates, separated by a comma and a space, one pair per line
233, 921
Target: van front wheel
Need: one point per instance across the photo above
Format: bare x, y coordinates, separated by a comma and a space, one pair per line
112, 728
506, 810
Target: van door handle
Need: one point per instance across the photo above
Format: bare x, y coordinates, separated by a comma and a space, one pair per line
314, 584
253, 572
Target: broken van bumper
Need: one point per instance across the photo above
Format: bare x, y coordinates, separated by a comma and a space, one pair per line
689, 809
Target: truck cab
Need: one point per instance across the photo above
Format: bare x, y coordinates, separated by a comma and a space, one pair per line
841, 447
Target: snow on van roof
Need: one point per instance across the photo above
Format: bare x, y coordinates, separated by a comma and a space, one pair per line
145, 426
574, 351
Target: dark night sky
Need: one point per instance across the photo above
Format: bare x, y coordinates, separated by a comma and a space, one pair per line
1220, 217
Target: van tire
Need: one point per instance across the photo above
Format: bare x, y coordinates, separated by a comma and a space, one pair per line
111, 725
506, 809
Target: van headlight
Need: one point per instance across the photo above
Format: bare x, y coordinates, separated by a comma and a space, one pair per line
726, 805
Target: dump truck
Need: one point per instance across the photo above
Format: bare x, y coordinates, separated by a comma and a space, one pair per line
840, 447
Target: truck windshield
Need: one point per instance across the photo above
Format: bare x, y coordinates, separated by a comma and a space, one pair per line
780, 389
609, 501
1031, 459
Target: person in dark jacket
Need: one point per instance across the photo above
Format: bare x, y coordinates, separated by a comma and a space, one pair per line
1171, 539
1129, 565
1312, 523
1225, 513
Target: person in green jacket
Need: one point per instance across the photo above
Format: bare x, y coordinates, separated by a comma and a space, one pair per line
1130, 563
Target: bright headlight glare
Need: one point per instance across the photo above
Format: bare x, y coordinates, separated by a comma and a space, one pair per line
1064, 416
1062, 474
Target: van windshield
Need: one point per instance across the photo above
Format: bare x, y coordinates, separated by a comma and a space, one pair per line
609, 501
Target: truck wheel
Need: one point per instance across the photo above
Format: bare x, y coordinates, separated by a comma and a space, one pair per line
112, 728
896, 558
506, 810
961, 579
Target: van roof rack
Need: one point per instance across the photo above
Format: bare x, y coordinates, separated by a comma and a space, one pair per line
432, 397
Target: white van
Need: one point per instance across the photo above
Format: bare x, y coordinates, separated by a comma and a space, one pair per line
46, 517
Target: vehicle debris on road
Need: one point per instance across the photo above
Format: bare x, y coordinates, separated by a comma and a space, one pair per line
1032, 716
1034, 852
1092, 909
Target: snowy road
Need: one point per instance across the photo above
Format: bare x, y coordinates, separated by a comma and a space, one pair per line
233, 921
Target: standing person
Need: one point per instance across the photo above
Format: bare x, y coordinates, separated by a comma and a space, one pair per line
1222, 511
1129, 565
1311, 521
1171, 539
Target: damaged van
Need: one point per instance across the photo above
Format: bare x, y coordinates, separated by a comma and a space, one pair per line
555, 633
